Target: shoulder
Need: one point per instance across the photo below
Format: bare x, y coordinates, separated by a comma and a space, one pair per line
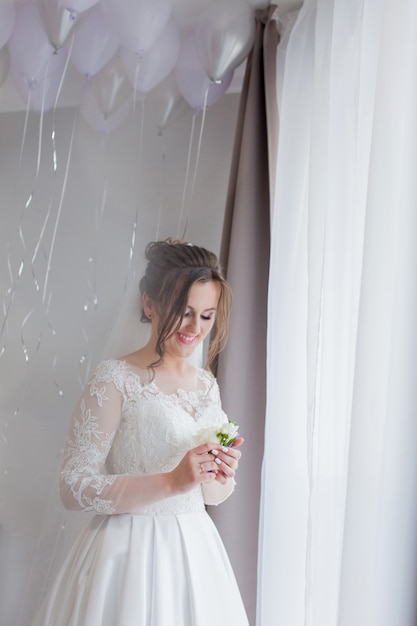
210, 383
206, 375
110, 371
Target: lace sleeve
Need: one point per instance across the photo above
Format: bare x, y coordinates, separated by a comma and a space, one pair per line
85, 484
84, 481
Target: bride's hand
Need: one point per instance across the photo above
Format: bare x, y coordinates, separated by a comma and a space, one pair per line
198, 466
228, 460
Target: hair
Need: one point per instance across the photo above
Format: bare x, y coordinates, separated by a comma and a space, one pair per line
173, 267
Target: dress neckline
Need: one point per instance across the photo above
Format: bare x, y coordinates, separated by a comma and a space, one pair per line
200, 374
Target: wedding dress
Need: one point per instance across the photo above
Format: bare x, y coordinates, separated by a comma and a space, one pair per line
158, 565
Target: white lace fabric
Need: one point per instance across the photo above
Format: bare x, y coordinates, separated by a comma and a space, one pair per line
125, 431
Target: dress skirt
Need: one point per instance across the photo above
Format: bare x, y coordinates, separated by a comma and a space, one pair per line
145, 570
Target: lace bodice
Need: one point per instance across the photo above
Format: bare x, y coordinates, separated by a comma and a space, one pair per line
123, 427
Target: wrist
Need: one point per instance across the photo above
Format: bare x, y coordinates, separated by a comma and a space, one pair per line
168, 485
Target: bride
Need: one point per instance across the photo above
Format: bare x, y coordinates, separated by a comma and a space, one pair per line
144, 453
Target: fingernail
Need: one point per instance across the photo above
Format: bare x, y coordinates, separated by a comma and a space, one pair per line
215, 452
217, 460
225, 448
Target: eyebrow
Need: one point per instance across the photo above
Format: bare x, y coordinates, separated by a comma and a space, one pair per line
204, 311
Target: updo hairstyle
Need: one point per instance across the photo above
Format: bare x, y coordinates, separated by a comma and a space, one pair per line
173, 267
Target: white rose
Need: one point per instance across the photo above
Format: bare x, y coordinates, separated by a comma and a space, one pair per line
230, 429
224, 434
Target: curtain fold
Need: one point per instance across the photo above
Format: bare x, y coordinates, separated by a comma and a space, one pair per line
339, 509
245, 256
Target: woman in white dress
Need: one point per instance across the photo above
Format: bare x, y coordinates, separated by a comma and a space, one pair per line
142, 455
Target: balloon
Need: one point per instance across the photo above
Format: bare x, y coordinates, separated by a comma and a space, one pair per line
94, 116
137, 23
111, 87
94, 44
147, 71
4, 64
57, 20
166, 102
7, 20
31, 54
224, 33
193, 81
41, 95
77, 6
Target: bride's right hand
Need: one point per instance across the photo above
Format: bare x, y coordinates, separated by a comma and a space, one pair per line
197, 466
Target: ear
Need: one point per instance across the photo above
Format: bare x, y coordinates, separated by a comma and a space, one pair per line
147, 305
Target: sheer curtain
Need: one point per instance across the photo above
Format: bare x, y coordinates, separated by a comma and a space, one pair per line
338, 522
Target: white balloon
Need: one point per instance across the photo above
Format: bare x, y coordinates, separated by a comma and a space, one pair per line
111, 87
94, 44
31, 54
194, 84
57, 20
41, 95
166, 103
137, 23
94, 116
7, 20
78, 6
146, 71
224, 33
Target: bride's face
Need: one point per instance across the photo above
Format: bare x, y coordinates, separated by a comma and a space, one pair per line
197, 322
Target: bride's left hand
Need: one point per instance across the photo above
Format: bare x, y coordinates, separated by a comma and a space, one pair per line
228, 460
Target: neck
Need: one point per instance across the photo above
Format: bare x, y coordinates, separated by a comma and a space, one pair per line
170, 365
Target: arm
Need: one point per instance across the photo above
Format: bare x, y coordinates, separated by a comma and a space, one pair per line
215, 493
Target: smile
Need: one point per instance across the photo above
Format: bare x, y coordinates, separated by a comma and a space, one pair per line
186, 338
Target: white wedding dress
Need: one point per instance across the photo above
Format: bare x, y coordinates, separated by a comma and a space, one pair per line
158, 565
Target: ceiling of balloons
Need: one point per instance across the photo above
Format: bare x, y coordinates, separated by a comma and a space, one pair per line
173, 52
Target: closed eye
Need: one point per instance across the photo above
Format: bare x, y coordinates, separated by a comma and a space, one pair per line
204, 316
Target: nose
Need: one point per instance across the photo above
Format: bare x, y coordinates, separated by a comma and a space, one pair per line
193, 324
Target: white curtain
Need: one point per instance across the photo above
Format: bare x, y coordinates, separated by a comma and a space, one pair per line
338, 530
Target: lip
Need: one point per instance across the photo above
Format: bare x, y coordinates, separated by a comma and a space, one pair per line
186, 339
